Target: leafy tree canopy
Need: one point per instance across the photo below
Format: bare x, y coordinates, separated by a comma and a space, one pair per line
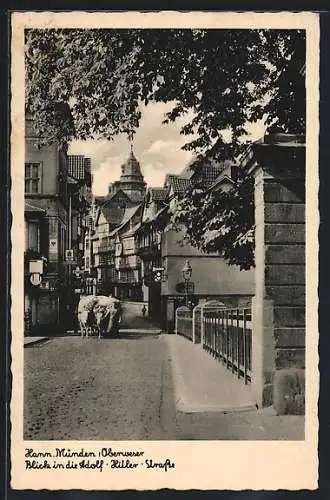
83, 84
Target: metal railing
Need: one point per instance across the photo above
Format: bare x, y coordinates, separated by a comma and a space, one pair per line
184, 322
227, 335
197, 325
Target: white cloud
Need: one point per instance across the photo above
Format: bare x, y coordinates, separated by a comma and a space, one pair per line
160, 145
157, 147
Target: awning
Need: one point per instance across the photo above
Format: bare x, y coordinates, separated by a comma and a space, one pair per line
32, 209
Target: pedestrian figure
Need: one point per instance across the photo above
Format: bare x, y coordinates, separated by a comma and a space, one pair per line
144, 310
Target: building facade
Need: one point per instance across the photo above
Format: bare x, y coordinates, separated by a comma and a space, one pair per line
46, 225
115, 263
57, 199
164, 252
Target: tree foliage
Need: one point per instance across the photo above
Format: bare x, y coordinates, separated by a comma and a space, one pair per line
90, 83
219, 221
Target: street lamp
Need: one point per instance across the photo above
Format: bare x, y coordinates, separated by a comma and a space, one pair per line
186, 273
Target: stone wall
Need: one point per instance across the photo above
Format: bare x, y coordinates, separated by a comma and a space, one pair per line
278, 347
285, 271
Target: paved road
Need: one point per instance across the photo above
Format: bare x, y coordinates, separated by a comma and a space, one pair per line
83, 389
121, 388
132, 317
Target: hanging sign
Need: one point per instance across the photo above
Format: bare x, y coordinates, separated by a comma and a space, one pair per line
35, 279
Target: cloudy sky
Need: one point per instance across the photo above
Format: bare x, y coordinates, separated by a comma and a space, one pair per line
157, 147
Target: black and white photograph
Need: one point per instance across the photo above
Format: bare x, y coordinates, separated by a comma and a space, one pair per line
162, 213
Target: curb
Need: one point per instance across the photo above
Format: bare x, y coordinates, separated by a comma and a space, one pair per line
183, 407
140, 330
36, 341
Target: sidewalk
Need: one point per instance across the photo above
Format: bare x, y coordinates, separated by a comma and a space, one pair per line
34, 340
217, 404
202, 383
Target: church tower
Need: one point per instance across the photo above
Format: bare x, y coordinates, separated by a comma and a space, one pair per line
131, 179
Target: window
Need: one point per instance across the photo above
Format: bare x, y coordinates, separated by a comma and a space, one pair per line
33, 236
32, 178
91, 224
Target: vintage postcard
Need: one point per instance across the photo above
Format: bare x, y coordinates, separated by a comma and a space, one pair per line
164, 239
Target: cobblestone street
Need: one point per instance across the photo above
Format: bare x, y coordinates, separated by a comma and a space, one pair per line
127, 388
78, 388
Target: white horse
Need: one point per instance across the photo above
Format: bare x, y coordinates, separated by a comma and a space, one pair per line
107, 314
86, 314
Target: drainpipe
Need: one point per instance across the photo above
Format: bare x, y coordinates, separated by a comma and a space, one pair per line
70, 230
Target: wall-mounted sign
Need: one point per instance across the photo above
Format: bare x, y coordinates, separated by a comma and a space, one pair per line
69, 255
53, 245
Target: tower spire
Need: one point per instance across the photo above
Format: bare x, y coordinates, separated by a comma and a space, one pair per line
131, 146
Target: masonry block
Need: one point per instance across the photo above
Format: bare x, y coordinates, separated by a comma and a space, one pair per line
289, 391
287, 295
286, 337
285, 254
289, 316
284, 274
284, 212
290, 358
284, 233
274, 192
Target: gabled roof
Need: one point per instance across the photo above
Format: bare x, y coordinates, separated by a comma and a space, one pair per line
157, 193
177, 183
222, 179
129, 213
101, 200
115, 216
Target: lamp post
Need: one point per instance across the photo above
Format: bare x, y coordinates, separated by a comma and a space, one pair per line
186, 273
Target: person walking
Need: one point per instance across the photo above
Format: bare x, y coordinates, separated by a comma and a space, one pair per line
144, 310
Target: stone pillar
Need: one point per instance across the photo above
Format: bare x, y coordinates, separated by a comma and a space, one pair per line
278, 346
263, 350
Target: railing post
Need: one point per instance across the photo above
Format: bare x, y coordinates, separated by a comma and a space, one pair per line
244, 346
176, 322
193, 326
227, 338
232, 339
237, 340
